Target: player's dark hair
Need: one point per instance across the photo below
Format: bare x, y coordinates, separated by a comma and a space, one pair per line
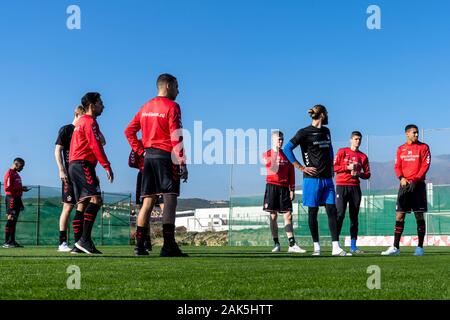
20, 160
411, 126
357, 134
278, 133
79, 111
164, 79
89, 98
316, 111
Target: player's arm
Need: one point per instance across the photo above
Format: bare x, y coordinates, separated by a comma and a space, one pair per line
399, 170
131, 134
59, 162
425, 161
292, 181
366, 174
339, 166
176, 139
289, 152
94, 140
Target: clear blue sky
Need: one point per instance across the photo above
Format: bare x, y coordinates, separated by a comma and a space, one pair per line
240, 64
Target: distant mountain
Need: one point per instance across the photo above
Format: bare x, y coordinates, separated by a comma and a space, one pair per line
383, 176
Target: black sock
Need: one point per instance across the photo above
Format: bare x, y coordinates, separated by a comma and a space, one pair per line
12, 237
77, 225
140, 237
276, 241
62, 237
168, 234
89, 219
313, 224
291, 241
421, 232
332, 221
8, 230
399, 226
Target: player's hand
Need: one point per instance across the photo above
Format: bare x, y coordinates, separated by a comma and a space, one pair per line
63, 176
404, 183
110, 175
26, 189
310, 171
183, 173
292, 195
355, 173
351, 167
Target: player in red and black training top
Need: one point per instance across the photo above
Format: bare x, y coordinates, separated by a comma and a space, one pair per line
13, 191
86, 149
279, 193
62, 150
412, 163
162, 146
350, 165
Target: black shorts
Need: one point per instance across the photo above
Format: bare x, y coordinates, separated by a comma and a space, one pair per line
138, 188
84, 180
348, 195
67, 195
160, 174
277, 199
413, 200
13, 205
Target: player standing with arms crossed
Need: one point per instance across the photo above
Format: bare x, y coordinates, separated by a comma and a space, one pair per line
350, 165
162, 146
411, 166
318, 186
86, 149
279, 193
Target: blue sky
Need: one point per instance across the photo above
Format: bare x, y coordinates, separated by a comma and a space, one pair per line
240, 64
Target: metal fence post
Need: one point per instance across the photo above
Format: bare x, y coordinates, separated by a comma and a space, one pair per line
101, 220
38, 215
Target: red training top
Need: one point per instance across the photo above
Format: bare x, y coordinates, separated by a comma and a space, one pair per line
413, 161
13, 184
343, 159
87, 144
280, 171
160, 122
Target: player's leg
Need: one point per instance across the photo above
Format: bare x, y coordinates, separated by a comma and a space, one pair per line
341, 206
63, 220
354, 206
142, 224
311, 200
421, 230
8, 231
289, 228
274, 229
403, 206
328, 196
170, 246
93, 205
17, 208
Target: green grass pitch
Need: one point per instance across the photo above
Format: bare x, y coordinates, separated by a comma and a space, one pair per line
222, 273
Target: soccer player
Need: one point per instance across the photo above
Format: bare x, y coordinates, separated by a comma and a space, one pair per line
137, 162
318, 186
350, 165
86, 149
279, 193
13, 191
411, 166
164, 167
62, 150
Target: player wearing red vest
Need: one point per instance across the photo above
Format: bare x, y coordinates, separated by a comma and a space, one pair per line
412, 163
350, 165
13, 191
162, 146
86, 149
279, 193
62, 151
